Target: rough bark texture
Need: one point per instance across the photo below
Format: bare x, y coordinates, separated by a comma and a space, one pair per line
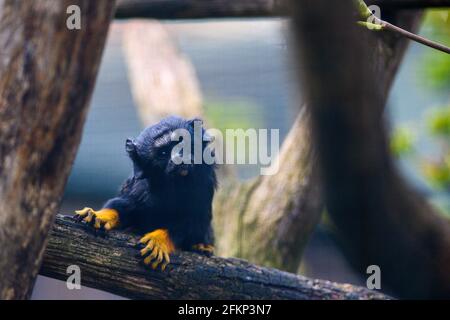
196, 9
110, 263
379, 218
47, 76
268, 220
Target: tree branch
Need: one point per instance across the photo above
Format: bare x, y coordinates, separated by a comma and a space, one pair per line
412, 36
378, 24
195, 9
110, 264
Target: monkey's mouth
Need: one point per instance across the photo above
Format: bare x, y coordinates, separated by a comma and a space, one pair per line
181, 170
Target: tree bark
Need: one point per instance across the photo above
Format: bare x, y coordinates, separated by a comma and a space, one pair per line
197, 9
47, 76
380, 219
111, 264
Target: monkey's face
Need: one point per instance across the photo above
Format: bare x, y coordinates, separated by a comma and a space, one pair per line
169, 149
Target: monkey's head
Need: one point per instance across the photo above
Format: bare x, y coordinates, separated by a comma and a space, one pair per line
167, 149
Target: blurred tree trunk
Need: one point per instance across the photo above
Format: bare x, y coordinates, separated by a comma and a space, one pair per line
269, 219
266, 220
347, 71
47, 77
162, 80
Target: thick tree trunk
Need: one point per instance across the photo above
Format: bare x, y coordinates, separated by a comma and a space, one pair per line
47, 76
111, 264
347, 72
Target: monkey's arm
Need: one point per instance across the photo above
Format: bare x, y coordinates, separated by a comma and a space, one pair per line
115, 212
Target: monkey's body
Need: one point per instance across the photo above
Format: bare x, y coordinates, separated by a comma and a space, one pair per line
182, 206
174, 202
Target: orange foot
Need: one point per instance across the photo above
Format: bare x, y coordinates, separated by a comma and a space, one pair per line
104, 218
158, 248
206, 249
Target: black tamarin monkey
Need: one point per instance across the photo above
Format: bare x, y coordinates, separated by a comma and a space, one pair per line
171, 204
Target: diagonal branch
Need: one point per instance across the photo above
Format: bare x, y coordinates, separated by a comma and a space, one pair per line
412, 36
198, 9
379, 25
111, 264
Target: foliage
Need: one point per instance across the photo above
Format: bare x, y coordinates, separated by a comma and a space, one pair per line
434, 75
438, 171
402, 141
436, 71
439, 122
230, 115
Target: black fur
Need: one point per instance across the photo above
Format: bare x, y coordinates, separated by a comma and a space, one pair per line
158, 196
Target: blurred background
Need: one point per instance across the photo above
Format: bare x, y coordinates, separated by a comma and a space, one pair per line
247, 81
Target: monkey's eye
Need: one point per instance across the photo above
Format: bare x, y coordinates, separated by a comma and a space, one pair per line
163, 152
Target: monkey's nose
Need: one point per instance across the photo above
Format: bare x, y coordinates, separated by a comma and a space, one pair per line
184, 173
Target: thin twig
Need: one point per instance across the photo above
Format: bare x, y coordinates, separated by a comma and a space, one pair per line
377, 24
429, 43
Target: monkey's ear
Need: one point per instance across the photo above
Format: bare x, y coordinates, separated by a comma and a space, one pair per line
130, 146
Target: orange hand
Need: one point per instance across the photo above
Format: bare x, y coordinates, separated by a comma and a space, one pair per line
107, 218
207, 249
158, 248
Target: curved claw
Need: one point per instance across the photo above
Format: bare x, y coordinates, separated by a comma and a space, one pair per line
103, 219
158, 248
82, 214
206, 249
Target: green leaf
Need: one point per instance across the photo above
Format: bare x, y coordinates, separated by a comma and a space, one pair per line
363, 10
438, 173
402, 141
439, 122
371, 26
